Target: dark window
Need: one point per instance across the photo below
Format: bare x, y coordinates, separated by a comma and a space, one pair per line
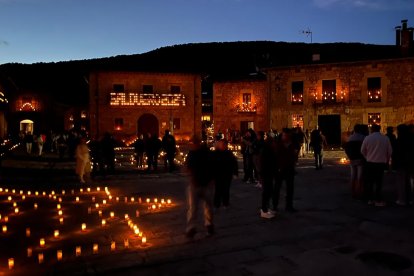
297, 92
119, 124
176, 123
328, 91
374, 90
147, 89
175, 89
119, 88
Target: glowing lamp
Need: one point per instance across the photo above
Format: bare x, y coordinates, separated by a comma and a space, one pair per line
148, 200
112, 214
104, 202
81, 190
23, 197
35, 206
95, 248
61, 220
59, 255
154, 206
168, 201
4, 228
117, 198
60, 199
100, 213
11, 263
155, 200
9, 198
113, 245
103, 222
77, 199
97, 205
58, 206
60, 212
6, 219
42, 243
144, 240
132, 199
78, 251
56, 234
16, 210
126, 217
136, 231
98, 189
83, 227
88, 189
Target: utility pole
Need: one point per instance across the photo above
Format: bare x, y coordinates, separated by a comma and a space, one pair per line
308, 33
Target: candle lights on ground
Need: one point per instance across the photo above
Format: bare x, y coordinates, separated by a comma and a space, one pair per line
88, 189
100, 213
83, 227
9, 198
29, 252
132, 199
93, 199
126, 217
40, 258
59, 207
77, 199
148, 200
112, 215
42, 243
6, 218
61, 220
16, 210
104, 202
95, 248
113, 245
35, 206
78, 251
144, 240
126, 243
56, 234
137, 213
103, 223
27, 232
168, 201
59, 255
97, 205
60, 212
4, 228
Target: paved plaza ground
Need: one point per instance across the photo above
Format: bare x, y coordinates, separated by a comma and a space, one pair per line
331, 234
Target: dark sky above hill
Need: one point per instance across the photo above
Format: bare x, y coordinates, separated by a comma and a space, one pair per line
56, 30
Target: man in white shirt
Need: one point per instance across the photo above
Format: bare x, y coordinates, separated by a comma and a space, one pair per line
377, 151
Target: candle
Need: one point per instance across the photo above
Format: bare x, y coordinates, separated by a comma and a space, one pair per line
4, 228
23, 197
11, 263
95, 248
60, 199
126, 216
83, 227
78, 251
126, 243
1, 190
42, 242
140, 200
60, 212
132, 199
72, 192
53, 192
148, 200
110, 197
13, 191
44, 193
29, 252
93, 199
56, 234
155, 200
36, 193
6, 219
35, 206
59, 255
89, 210
63, 192
103, 222
154, 206
14, 204
168, 201
16, 210
104, 202
61, 220
97, 205
112, 214
40, 258
98, 189
81, 190
144, 240
117, 198
137, 213
88, 189
9, 198
29, 192
77, 199
58, 206
136, 231
21, 192
113, 245
6, 190
27, 232
100, 213
126, 199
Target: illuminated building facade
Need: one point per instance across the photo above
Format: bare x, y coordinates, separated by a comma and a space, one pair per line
337, 96
239, 105
127, 104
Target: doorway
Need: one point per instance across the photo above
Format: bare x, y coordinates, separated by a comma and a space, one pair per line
148, 123
26, 126
245, 125
330, 125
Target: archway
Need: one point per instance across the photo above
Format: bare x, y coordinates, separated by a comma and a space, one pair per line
148, 123
26, 126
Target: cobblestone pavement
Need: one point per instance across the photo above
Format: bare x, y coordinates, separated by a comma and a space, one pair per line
331, 234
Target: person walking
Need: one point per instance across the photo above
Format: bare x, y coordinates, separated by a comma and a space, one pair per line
169, 146
200, 188
225, 166
353, 151
286, 158
318, 142
83, 162
376, 149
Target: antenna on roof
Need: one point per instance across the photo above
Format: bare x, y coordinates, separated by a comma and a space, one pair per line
308, 33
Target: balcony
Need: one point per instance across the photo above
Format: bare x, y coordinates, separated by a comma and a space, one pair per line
121, 99
246, 108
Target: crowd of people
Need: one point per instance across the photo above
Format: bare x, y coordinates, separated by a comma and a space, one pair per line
371, 154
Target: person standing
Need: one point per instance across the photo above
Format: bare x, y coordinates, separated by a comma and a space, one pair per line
28, 140
257, 146
139, 148
83, 162
393, 140
286, 158
318, 141
200, 188
247, 151
108, 152
401, 163
376, 149
268, 168
225, 166
353, 151
40, 142
169, 146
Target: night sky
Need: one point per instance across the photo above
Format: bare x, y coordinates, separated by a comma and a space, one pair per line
57, 30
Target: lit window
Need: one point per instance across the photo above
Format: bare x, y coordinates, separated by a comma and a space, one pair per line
328, 91
83, 114
297, 92
119, 123
374, 118
247, 98
297, 120
374, 90
206, 118
175, 89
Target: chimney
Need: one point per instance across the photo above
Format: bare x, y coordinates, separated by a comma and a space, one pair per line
404, 24
398, 35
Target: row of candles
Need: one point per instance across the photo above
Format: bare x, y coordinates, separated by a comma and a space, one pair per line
152, 205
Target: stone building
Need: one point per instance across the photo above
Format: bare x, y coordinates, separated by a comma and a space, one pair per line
336, 96
127, 104
239, 105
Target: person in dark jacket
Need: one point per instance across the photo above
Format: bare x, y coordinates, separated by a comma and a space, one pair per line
353, 151
139, 149
108, 152
28, 140
152, 148
393, 140
169, 146
225, 166
402, 157
268, 168
200, 188
318, 142
286, 158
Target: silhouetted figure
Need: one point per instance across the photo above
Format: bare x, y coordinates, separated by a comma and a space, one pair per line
96, 157
152, 148
357, 161
83, 164
403, 163
258, 146
247, 151
108, 152
169, 146
200, 188
377, 150
225, 166
28, 141
61, 145
393, 140
268, 168
139, 149
72, 143
318, 142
